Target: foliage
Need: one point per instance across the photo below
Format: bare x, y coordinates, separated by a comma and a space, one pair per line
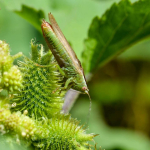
115, 28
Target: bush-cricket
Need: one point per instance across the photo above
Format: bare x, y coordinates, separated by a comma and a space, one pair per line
65, 56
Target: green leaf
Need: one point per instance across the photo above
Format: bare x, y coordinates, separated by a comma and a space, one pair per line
123, 25
32, 15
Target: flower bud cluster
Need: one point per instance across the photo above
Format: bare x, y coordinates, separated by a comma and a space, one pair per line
17, 123
12, 80
5, 59
10, 75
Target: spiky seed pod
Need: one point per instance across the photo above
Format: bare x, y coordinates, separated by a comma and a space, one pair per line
10, 76
63, 133
57, 133
40, 80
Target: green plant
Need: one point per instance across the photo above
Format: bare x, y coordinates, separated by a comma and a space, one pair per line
121, 26
33, 112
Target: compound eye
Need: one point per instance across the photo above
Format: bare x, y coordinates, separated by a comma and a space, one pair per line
84, 88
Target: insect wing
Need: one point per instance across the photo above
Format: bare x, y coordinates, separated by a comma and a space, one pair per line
63, 40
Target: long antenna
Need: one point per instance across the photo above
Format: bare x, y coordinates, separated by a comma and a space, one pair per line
90, 106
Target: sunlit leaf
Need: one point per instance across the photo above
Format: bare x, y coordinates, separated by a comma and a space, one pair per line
123, 25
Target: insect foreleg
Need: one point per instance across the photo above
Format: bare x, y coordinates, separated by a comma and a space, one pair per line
67, 85
69, 80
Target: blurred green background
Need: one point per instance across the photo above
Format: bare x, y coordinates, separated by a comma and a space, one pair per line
120, 90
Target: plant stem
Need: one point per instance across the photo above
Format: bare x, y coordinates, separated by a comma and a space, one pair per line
70, 99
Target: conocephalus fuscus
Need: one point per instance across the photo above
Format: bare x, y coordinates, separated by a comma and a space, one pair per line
65, 56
